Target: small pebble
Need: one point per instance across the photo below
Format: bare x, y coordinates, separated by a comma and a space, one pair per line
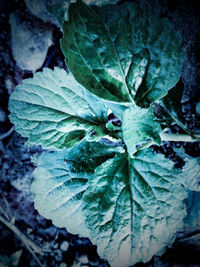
55, 245
64, 246
83, 259
29, 230
3, 116
76, 264
197, 108
58, 255
9, 85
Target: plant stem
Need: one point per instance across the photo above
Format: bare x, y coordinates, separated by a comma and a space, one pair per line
3, 136
28, 243
177, 121
170, 137
146, 145
179, 137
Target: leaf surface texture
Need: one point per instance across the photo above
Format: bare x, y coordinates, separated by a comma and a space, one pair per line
134, 207
139, 125
59, 187
122, 53
53, 110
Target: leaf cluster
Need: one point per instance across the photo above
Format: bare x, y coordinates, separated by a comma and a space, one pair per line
101, 179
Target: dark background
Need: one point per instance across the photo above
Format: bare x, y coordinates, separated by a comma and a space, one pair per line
21, 222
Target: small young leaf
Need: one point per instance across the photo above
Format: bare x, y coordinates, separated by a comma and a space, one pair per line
172, 100
122, 52
134, 208
167, 108
139, 125
59, 186
52, 109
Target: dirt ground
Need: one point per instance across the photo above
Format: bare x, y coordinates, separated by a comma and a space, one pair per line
27, 239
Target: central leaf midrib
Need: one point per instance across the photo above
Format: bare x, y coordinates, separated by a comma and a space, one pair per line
114, 212
131, 199
119, 62
62, 112
146, 93
81, 56
115, 51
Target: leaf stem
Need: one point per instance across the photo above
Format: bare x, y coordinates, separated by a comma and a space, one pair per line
5, 135
179, 137
170, 137
177, 121
146, 145
28, 243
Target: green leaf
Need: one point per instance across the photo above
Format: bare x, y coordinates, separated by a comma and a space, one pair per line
117, 108
167, 108
122, 52
172, 101
134, 207
191, 173
59, 186
139, 125
59, 11
52, 109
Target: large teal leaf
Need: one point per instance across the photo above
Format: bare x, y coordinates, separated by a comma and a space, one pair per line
122, 52
60, 180
52, 109
138, 126
134, 207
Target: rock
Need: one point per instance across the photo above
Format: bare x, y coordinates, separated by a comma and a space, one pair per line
76, 264
30, 41
198, 108
83, 259
9, 85
55, 246
64, 246
3, 116
58, 256
38, 8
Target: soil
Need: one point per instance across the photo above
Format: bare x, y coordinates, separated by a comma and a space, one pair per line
56, 246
